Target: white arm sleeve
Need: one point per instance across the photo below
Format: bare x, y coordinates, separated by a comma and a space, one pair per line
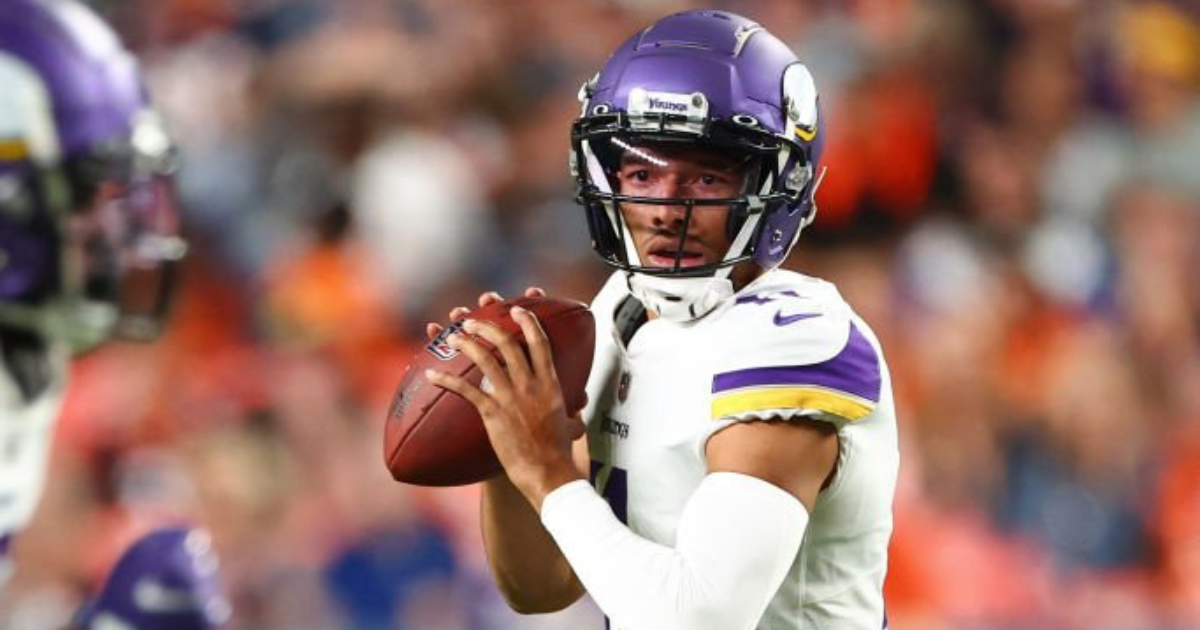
737, 538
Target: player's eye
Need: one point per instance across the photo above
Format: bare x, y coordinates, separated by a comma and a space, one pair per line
711, 182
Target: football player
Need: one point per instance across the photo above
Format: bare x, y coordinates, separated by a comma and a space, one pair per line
89, 236
741, 456
166, 580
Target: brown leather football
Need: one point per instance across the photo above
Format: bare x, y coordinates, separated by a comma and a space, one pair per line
434, 437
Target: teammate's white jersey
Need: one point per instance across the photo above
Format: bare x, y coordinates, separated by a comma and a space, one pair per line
785, 346
26, 433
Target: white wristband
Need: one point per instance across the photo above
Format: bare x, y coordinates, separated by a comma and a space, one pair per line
737, 537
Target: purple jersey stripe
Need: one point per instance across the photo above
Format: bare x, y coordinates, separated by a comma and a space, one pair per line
855, 370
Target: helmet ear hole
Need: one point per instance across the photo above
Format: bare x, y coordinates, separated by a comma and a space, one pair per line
745, 120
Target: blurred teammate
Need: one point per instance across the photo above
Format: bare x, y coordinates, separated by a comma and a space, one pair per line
89, 236
166, 580
741, 434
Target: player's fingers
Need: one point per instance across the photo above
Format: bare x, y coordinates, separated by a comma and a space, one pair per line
535, 292
432, 331
540, 356
483, 358
485, 298
460, 386
509, 347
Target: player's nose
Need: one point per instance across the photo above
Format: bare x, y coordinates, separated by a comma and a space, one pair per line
668, 215
666, 212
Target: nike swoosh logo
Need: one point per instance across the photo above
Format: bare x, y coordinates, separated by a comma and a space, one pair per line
152, 596
784, 320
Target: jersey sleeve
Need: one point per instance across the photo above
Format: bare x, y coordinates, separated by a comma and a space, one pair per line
825, 369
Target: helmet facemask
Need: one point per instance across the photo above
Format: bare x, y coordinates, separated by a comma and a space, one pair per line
691, 175
683, 204
111, 227
129, 236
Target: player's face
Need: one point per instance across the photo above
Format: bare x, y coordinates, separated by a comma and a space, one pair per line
679, 173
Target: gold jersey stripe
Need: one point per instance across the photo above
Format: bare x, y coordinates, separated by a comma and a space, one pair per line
749, 401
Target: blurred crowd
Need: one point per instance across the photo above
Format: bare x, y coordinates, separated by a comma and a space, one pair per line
1012, 200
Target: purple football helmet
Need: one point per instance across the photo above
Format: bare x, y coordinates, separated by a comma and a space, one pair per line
89, 229
166, 580
716, 82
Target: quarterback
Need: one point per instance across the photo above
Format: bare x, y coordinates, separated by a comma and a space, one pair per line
740, 455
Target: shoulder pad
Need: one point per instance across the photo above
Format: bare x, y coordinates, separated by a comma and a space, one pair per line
794, 355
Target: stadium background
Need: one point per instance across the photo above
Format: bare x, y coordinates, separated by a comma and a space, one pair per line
1013, 201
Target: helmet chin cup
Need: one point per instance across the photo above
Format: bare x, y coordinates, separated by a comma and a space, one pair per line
681, 299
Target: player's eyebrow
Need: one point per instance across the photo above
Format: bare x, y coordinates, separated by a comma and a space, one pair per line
718, 163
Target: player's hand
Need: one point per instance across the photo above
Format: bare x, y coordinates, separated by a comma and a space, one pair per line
432, 329
520, 402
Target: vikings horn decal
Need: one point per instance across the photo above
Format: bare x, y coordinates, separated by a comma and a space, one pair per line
800, 101
26, 127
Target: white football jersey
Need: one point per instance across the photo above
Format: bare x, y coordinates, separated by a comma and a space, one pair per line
785, 346
26, 434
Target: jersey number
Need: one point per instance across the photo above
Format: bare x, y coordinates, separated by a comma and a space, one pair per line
613, 484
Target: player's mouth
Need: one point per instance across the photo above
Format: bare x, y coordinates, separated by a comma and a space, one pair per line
666, 258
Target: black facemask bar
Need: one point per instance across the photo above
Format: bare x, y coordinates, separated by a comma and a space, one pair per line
615, 256
607, 224
126, 190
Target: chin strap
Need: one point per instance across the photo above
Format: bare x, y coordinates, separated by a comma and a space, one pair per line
681, 299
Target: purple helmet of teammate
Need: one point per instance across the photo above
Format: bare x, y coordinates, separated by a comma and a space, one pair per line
715, 81
166, 580
89, 232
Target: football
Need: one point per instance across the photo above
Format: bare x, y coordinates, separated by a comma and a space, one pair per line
434, 437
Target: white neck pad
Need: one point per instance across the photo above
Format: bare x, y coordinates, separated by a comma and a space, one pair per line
681, 299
